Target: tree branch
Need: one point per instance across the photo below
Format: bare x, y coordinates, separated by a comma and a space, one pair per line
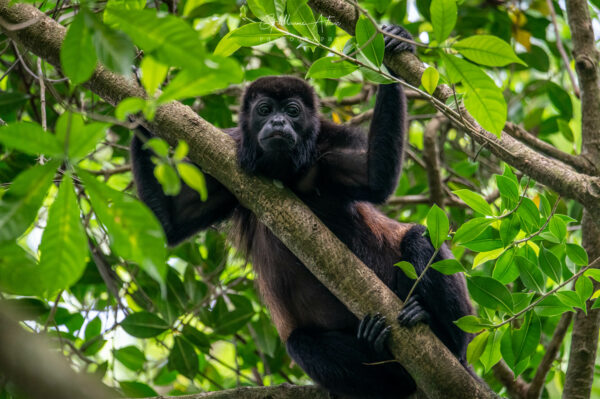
537, 383
431, 156
581, 164
516, 388
431, 364
554, 174
584, 340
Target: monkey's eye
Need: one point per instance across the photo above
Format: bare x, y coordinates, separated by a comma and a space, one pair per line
292, 110
264, 109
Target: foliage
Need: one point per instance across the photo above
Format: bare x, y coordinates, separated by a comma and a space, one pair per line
87, 262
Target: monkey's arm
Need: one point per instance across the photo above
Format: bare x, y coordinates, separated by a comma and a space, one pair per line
184, 214
371, 173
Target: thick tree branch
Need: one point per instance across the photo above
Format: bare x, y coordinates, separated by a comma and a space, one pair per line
584, 341
283, 391
554, 174
39, 373
433, 367
516, 388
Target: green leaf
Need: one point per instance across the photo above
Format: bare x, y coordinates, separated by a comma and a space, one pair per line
153, 74
530, 275
169, 39
226, 46
438, 226
20, 204
487, 50
264, 10
168, 178
577, 254
369, 41
471, 230
476, 347
443, 18
561, 99
448, 266
79, 139
526, 338
558, 228
302, 19
483, 257
584, 288
472, 324
529, 215
229, 322
483, 99
254, 34
509, 228
193, 177
181, 150
266, 335
505, 269
491, 354
551, 306
507, 187
134, 232
129, 106
183, 358
30, 138
113, 49
475, 201
196, 337
77, 54
550, 264
484, 242
408, 269
330, 68
430, 79
144, 325
571, 299
593, 273
18, 270
490, 293
135, 389
201, 81
131, 357
64, 243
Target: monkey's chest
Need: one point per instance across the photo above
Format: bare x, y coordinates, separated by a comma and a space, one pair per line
295, 298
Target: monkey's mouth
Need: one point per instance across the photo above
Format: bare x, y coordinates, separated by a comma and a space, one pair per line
277, 139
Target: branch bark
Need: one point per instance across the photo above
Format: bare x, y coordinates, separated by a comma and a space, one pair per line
584, 341
431, 364
552, 173
26, 361
431, 156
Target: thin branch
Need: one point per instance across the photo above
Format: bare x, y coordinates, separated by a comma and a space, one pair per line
431, 156
537, 383
515, 387
594, 264
418, 280
579, 163
561, 49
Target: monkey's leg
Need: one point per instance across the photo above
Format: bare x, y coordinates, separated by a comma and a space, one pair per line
344, 364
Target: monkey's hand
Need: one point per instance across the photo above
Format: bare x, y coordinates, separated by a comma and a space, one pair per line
394, 45
412, 313
373, 332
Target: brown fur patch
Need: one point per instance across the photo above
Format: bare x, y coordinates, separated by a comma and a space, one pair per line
382, 227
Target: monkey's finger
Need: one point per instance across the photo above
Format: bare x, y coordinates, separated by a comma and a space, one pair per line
362, 326
369, 328
376, 329
379, 343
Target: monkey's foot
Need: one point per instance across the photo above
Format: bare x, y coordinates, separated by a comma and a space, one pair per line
413, 313
373, 332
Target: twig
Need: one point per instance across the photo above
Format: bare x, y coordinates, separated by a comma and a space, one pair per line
561, 49
579, 163
421, 275
592, 265
42, 94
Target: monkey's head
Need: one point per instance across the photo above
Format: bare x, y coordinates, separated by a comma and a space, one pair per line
279, 122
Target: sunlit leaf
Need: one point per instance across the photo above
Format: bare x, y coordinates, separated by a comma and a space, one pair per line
443, 18
77, 54
408, 269
487, 50
331, 68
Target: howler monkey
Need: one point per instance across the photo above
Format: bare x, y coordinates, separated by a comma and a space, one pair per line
339, 172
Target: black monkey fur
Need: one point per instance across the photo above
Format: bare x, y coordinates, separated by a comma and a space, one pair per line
338, 171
